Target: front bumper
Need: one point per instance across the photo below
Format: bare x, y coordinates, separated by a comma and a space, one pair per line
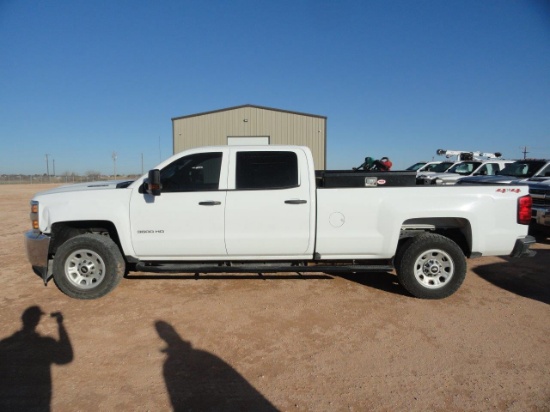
38, 247
521, 248
541, 215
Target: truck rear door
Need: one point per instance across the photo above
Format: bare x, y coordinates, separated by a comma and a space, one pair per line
269, 205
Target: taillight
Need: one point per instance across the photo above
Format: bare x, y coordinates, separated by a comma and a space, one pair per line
524, 210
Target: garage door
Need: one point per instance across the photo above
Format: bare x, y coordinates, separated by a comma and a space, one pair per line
247, 140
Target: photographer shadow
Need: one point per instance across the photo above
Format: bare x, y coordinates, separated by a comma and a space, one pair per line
25, 363
199, 380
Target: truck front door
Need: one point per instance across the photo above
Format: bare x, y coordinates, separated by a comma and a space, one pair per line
187, 219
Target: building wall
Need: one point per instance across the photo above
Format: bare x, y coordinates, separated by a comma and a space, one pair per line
282, 127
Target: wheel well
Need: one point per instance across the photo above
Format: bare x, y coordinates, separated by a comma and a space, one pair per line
458, 230
63, 231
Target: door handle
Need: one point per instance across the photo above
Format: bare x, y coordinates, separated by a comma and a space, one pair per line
210, 203
295, 202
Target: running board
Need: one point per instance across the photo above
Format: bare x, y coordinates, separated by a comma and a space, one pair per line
254, 268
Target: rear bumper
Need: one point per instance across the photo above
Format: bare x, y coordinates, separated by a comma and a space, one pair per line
38, 247
522, 247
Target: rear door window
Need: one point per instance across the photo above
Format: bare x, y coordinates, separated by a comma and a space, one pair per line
488, 169
266, 170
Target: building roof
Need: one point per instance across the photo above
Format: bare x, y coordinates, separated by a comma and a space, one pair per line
248, 105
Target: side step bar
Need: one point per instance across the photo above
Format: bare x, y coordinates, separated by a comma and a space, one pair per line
254, 268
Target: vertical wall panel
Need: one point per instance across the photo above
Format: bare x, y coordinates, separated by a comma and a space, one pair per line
282, 127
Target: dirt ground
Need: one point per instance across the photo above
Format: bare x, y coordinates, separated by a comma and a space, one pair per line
280, 342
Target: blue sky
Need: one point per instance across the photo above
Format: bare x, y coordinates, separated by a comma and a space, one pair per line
80, 80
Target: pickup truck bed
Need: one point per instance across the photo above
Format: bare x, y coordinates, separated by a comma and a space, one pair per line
352, 178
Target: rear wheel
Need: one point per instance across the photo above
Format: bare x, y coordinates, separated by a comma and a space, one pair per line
430, 266
88, 266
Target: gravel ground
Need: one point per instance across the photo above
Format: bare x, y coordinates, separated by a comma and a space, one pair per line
284, 342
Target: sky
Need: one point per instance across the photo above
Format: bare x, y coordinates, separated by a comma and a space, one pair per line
81, 79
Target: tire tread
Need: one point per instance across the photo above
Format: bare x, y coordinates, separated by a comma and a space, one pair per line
407, 255
114, 265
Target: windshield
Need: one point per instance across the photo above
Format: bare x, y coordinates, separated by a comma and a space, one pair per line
521, 169
416, 166
439, 168
464, 168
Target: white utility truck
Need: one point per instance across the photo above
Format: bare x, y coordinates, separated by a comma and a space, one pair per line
462, 169
265, 209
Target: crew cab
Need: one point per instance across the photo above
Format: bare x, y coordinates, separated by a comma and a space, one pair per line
543, 175
430, 167
518, 171
462, 169
265, 209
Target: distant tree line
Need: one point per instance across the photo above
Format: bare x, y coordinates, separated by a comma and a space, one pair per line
65, 177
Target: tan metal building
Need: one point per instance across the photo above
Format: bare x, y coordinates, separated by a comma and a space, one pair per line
249, 124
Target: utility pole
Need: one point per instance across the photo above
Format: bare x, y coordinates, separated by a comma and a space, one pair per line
524, 151
114, 156
47, 166
53, 160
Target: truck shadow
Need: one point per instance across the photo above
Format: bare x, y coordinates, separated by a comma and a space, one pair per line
529, 279
542, 239
384, 281
542, 235
198, 380
225, 276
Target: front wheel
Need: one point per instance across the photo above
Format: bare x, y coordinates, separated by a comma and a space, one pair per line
430, 266
88, 266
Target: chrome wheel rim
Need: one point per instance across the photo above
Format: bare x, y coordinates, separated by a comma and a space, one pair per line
434, 269
85, 269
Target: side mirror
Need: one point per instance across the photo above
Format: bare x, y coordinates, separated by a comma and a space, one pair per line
153, 185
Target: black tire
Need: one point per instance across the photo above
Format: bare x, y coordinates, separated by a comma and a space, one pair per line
88, 266
430, 266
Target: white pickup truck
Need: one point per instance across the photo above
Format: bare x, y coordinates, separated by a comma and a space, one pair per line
461, 169
265, 209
